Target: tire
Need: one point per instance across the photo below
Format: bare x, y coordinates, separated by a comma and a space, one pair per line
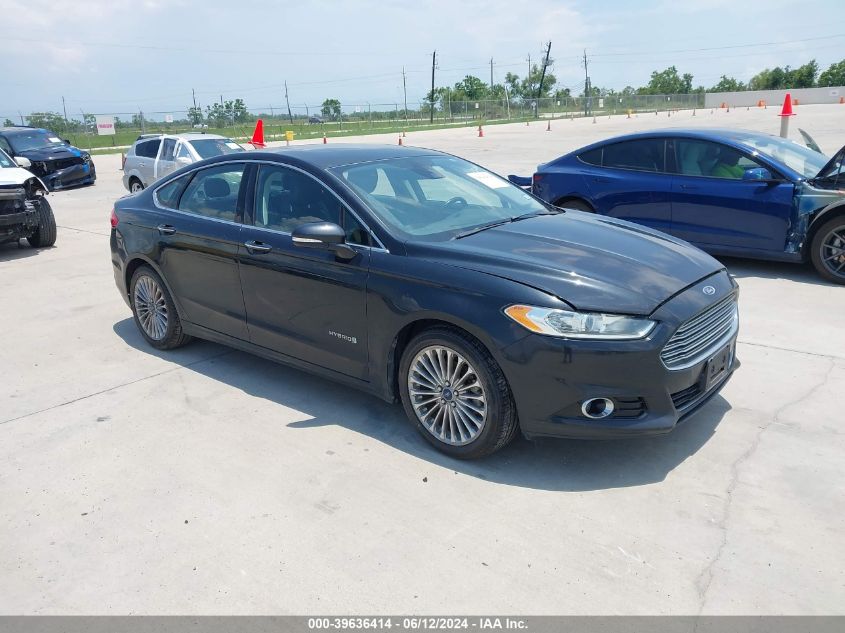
575, 203
45, 234
470, 435
135, 185
827, 250
154, 311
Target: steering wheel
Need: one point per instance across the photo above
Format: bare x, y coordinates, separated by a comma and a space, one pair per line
456, 203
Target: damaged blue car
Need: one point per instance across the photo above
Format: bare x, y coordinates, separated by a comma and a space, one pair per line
729, 192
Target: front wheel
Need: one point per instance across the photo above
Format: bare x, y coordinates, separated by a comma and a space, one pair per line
456, 394
827, 250
45, 234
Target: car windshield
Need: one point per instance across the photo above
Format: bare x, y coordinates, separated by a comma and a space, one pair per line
209, 147
794, 155
5, 161
436, 197
33, 139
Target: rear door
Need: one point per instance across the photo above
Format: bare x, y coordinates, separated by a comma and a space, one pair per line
632, 183
303, 302
713, 207
198, 245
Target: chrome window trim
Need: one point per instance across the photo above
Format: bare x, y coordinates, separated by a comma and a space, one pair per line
257, 161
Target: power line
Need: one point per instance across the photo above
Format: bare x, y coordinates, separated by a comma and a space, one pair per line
720, 48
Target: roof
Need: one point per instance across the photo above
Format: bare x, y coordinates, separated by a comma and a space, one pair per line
730, 134
21, 128
187, 136
335, 155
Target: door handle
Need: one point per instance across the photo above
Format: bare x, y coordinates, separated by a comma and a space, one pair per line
166, 229
689, 186
257, 248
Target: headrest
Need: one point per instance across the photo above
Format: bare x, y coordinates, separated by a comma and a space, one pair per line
216, 188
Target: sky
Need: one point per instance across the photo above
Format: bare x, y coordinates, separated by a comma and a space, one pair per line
120, 56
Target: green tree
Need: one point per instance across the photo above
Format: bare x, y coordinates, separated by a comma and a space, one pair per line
239, 112
834, 75
49, 120
330, 109
778, 78
728, 84
471, 88
804, 76
668, 82
195, 115
8, 123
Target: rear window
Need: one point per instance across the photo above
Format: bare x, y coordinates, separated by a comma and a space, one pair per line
641, 155
147, 149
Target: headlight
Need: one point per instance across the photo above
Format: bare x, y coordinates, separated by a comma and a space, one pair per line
589, 325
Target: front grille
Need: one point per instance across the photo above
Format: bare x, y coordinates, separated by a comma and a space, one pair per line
12, 200
682, 399
697, 337
64, 163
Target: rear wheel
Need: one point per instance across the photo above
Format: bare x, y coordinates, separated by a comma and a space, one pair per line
154, 311
827, 250
575, 203
135, 185
456, 393
45, 234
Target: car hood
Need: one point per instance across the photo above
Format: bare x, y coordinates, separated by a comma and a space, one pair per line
54, 152
14, 176
592, 262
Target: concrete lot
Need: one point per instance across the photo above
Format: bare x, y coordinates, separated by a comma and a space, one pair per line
209, 481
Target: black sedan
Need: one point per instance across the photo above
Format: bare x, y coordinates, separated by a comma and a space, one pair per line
424, 278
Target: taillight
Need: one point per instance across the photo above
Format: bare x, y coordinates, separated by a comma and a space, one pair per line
114, 219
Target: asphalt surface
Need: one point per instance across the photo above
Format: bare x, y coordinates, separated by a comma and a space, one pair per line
209, 481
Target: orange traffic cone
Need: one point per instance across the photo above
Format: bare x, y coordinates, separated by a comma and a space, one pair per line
325, 140
795, 102
841, 99
480, 132
258, 135
400, 140
787, 106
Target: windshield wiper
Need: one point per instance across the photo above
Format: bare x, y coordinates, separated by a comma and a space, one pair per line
516, 218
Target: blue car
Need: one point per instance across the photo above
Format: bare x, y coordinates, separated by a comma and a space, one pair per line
55, 161
729, 192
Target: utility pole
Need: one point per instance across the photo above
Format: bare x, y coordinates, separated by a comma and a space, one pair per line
405, 91
194, 117
587, 97
290, 116
64, 108
491, 76
431, 112
542, 79
528, 76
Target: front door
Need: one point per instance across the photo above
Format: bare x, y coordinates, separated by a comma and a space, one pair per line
303, 302
712, 206
199, 245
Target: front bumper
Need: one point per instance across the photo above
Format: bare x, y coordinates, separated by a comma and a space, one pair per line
551, 377
73, 176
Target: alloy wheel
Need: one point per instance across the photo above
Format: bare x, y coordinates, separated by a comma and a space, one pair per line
833, 251
151, 307
447, 395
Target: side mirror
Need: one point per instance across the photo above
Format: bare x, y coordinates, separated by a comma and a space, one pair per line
67, 141
23, 162
520, 181
323, 235
757, 173
183, 160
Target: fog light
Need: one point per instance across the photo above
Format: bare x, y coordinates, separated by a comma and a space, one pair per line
597, 408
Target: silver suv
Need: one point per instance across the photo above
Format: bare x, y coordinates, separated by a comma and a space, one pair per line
154, 156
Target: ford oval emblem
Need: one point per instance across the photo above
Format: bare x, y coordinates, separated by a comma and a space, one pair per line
708, 290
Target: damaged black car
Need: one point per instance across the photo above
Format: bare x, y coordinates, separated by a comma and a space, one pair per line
55, 161
24, 209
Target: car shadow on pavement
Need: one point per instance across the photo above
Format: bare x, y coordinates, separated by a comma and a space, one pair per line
10, 251
547, 464
801, 273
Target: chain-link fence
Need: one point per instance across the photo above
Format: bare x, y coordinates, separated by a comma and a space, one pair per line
236, 120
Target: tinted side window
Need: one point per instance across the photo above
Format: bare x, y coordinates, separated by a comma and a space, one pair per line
5, 145
147, 149
703, 158
593, 157
355, 231
168, 152
214, 192
642, 155
286, 198
168, 195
